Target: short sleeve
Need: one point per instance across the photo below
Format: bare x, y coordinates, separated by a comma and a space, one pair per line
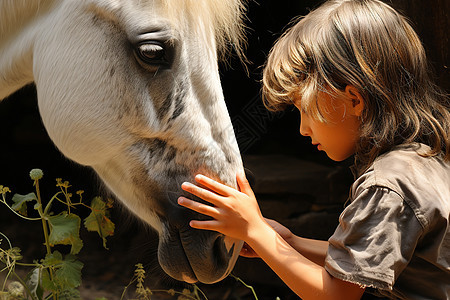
375, 239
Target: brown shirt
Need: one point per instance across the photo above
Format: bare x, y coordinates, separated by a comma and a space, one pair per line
394, 236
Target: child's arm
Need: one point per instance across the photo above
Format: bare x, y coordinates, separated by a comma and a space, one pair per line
314, 250
236, 214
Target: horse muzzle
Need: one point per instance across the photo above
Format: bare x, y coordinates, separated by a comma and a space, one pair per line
192, 255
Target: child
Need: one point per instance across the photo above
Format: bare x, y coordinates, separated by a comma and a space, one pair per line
357, 73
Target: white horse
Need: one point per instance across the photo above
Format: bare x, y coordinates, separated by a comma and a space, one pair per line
132, 89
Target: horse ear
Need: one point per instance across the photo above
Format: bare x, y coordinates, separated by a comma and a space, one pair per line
357, 100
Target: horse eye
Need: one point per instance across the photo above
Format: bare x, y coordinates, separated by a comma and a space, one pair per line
151, 53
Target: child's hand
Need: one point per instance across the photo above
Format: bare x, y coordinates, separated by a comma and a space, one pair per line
235, 213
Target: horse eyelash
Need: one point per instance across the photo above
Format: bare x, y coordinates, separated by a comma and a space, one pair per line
156, 72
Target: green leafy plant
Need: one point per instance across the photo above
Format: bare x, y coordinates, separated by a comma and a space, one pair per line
57, 276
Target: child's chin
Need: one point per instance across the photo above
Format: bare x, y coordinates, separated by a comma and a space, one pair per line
337, 158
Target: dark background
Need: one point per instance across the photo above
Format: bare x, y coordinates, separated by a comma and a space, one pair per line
24, 143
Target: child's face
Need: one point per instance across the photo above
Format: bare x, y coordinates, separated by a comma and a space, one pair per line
339, 135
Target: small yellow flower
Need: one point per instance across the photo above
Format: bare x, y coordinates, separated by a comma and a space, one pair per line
4, 189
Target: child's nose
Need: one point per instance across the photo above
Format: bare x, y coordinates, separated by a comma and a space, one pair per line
305, 130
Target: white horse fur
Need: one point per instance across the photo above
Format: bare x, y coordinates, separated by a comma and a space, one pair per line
131, 88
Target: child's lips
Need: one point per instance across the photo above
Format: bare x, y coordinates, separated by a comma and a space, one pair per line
318, 145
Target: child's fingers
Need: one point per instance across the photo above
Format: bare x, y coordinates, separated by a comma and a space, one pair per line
204, 194
198, 207
213, 185
243, 184
205, 225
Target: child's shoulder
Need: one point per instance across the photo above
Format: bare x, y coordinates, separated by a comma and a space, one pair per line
422, 182
405, 165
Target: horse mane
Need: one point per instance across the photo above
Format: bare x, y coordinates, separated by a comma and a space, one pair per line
225, 16
10, 10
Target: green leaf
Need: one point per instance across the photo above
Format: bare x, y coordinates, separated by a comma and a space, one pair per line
65, 230
47, 283
67, 272
52, 259
98, 220
20, 200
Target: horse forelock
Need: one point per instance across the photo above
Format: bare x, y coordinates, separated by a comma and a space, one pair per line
226, 18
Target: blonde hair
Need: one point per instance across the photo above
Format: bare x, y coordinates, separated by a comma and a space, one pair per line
366, 44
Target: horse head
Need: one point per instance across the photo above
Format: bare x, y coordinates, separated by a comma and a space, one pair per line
131, 88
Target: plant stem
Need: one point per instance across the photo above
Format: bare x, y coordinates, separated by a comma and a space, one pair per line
44, 227
125, 289
26, 265
23, 217
43, 217
9, 243
7, 276
49, 204
196, 290
246, 285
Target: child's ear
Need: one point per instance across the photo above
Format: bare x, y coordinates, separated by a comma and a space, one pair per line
357, 100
